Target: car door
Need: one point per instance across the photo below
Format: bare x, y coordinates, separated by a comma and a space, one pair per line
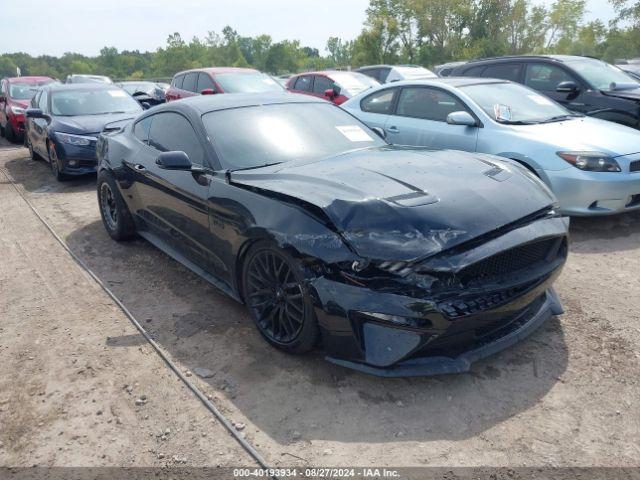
174, 90
302, 84
420, 119
545, 78
321, 84
374, 109
173, 203
189, 85
3, 103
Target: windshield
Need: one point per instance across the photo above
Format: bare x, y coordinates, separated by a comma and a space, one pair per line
512, 103
92, 102
352, 83
600, 74
415, 72
91, 79
23, 91
144, 87
247, 83
250, 137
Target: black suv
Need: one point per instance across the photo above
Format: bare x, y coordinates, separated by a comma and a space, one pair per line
582, 84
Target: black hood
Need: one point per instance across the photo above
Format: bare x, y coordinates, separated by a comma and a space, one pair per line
397, 203
83, 124
631, 94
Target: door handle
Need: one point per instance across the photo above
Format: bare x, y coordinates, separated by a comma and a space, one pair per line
393, 130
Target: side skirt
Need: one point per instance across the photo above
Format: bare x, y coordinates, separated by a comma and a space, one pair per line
173, 253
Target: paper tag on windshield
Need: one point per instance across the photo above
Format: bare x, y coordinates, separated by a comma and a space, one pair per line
117, 93
502, 112
540, 100
354, 133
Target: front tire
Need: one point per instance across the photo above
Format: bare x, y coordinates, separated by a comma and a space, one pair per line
9, 133
277, 298
54, 163
115, 214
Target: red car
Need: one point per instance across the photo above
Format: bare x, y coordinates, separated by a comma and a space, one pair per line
336, 86
15, 95
207, 81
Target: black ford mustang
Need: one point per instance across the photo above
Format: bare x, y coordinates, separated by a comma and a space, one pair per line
401, 261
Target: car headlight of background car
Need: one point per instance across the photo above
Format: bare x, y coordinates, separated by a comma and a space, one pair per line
591, 161
17, 110
78, 140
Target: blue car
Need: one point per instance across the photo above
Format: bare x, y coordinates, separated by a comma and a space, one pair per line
592, 165
64, 121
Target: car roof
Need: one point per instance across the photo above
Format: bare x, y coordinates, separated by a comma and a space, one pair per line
27, 79
326, 73
451, 81
57, 87
212, 103
216, 70
507, 58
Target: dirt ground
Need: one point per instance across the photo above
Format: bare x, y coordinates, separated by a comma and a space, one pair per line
567, 396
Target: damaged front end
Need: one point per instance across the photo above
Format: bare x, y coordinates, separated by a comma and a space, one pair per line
440, 314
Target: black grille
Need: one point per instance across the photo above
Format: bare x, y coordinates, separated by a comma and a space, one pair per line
635, 166
509, 261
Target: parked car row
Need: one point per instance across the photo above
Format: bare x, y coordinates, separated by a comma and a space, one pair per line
411, 227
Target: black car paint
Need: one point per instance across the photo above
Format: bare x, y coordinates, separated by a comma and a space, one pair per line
41, 132
621, 106
341, 217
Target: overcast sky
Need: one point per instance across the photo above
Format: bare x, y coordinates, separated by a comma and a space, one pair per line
56, 26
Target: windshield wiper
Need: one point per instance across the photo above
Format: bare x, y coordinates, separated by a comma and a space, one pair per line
516, 122
255, 167
558, 118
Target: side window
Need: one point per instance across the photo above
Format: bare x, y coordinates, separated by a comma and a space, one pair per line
42, 102
303, 83
1, 87
474, 71
172, 132
205, 82
379, 102
190, 82
383, 75
504, 71
141, 129
540, 76
177, 83
427, 103
322, 84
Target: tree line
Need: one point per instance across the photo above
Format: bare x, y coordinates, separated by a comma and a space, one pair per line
425, 32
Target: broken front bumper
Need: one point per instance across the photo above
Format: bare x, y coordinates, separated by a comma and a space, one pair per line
429, 343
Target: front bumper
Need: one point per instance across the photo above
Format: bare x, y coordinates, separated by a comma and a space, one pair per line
435, 343
77, 160
595, 193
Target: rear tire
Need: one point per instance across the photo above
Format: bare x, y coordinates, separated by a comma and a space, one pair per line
115, 214
277, 298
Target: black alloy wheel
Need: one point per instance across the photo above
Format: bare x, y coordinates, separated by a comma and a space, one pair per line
115, 214
276, 296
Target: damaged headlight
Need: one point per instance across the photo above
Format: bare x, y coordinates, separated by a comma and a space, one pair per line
413, 322
591, 161
398, 268
78, 140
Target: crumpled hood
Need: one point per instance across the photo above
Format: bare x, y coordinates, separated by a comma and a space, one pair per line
398, 203
84, 124
584, 134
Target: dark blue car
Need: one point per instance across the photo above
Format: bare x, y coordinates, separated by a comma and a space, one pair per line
64, 121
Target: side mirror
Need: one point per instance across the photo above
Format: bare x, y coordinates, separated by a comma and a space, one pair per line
330, 94
36, 113
145, 105
174, 161
208, 91
461, 118
567, 87
380, 132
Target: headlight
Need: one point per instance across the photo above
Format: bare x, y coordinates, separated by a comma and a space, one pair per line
17, 110
77, 140
591, 161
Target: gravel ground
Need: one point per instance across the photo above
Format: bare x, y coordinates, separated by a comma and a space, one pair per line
567, 396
